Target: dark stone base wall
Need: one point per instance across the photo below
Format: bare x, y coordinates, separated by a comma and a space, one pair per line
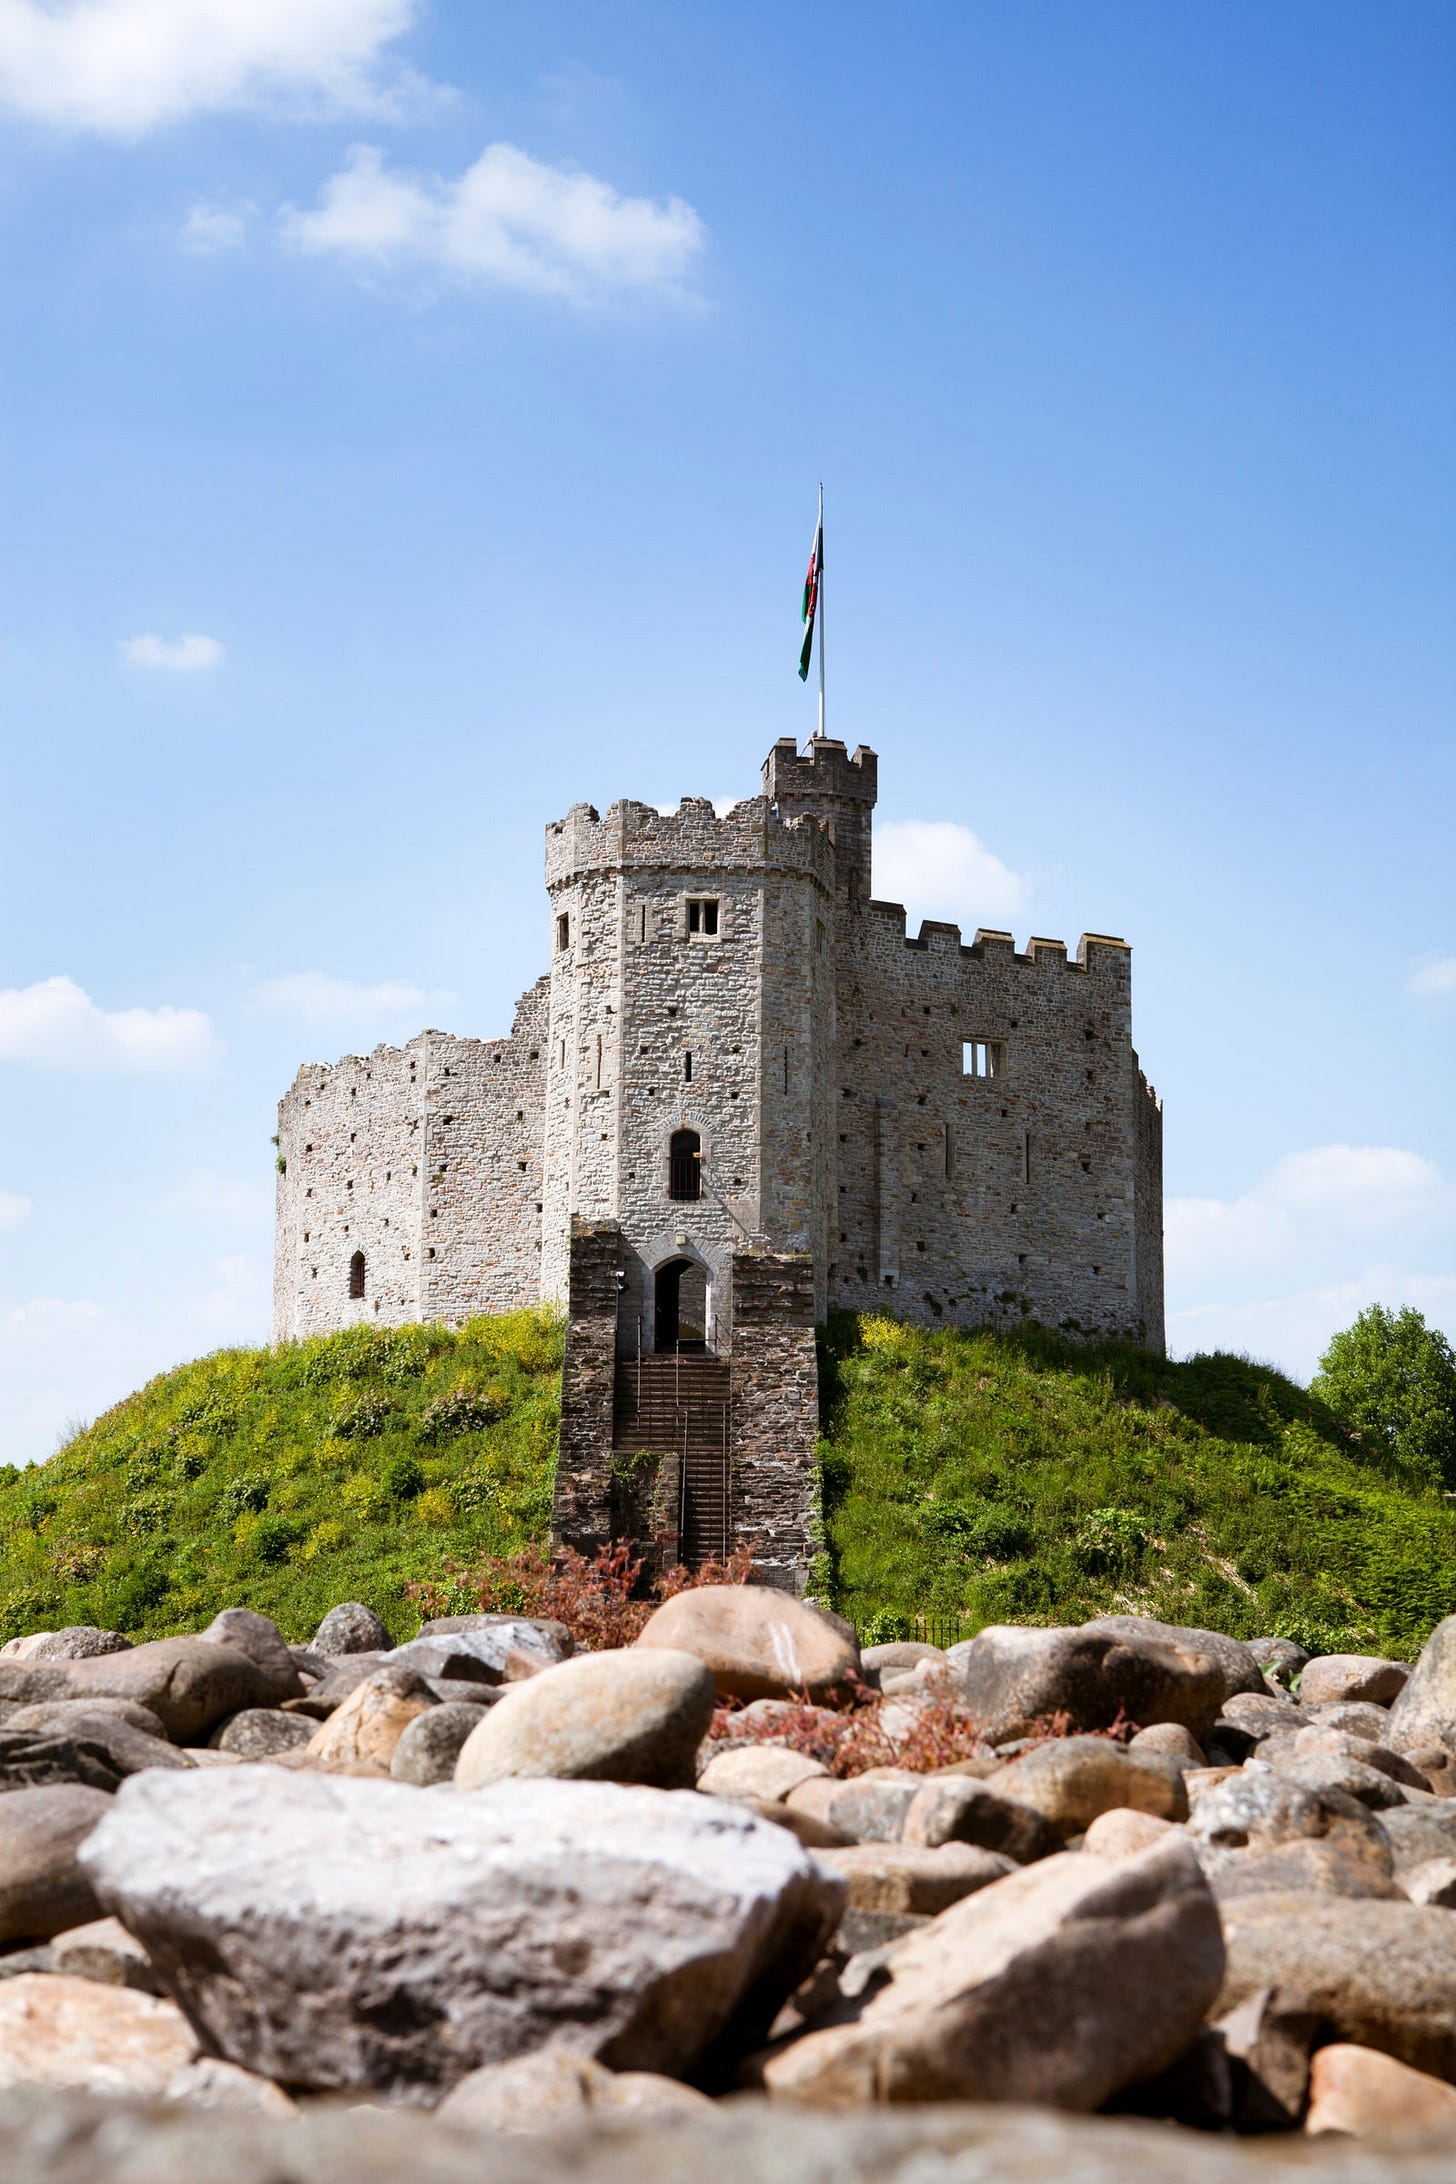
775, 1414
581, 1514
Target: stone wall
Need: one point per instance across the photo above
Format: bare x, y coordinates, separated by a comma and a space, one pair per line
581, 1515
774, 1415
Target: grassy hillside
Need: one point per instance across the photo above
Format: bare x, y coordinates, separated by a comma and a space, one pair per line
333, 1469
1021, 1478
990, 1477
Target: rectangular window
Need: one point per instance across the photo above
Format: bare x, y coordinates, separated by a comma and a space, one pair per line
687, 1066
982, 1058
949, 1160
703, 916
1026, 1156
563, 931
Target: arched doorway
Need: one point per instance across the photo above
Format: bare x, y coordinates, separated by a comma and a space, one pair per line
680, 1307
685, 1165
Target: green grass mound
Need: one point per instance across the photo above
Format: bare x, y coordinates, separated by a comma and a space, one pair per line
286, 1480
1026, 1479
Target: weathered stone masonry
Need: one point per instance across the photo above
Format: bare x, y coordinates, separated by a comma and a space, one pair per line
959, 1132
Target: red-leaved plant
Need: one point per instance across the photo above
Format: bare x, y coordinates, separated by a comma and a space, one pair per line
595, 1596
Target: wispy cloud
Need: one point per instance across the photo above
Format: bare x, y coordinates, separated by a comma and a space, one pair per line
209, 230
189, 655
122, 67
14, 1208
940, 869
319, 999
509, 221
1433, 978
1343, 1187
55, 1024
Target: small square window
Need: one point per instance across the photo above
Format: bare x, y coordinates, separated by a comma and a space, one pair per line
703, 916
982, 1058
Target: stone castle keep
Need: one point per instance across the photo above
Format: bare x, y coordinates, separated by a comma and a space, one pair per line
740, 1097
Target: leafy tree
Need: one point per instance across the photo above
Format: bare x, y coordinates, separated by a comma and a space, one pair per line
1394, 1378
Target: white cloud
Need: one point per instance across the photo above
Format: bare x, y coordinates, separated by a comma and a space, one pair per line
189, 655
1355, 1183
320, 999
941, 870
209, 230
1433, 978
14, 1208
509, 221
57, 1025
1294, 1328
125, 66
1328, 1190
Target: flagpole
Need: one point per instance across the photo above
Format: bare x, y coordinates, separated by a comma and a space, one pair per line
821, 609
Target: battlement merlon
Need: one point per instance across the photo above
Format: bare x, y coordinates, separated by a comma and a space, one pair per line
827, 783
692, 840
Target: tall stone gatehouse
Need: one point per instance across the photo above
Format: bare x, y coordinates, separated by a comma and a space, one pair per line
740, 1097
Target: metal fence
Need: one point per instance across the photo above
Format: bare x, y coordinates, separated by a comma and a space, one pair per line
929, 1630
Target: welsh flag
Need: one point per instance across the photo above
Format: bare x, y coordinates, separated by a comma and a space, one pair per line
811, 595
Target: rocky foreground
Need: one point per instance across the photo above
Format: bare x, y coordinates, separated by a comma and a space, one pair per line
481, 1904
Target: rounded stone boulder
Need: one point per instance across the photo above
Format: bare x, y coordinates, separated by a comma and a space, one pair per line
77, 1642
366, 1728
433, 1741
262, 1732
759, 1644
188, 1683
1334, 1677
263, 1642
602, 1717
42, 1888
351, 1628
1018, 1678
758, 1770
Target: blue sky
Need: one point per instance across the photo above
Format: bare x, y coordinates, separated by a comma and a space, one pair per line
412, 414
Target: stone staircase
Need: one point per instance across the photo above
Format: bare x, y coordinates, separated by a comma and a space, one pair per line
680, 1404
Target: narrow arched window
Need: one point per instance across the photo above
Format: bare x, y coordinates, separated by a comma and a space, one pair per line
356, 1275
685, 1165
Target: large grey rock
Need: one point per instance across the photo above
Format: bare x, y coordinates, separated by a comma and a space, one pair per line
330, 1691
1339, 1771
1070, 1780
265, 1646
1351, 1677
331, 1932
77, 1642
1286, 1752
96, 1749
1261, 1832
1062, 1983
958, 1809
1380, 1974
497, 1637
910, 1878
61, 2138
427, 1751
262, 1732
351, 1628
42, 1888
1425, 1711
1017, 1679
1239, 1666
188, 1683
1417, 1833
60, 1713
759, 1643
623, 1716
502, 1652
758, 1770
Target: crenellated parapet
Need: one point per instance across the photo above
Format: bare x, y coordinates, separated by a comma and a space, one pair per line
751, 837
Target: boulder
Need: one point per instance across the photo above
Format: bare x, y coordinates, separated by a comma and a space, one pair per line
1017, 1679
265, 1646
758, 1643
1240, 1670
103, 1950
1335, 1677
619, 1716
494, 1643
351, 1628
77, 1642
543, 2092
1338, 1771
1123, 1833
1357, 1717
1170, 1737
371, 1721
1246, 1720
431, 1744
907, 1877
329, 1693
60, 1713
1382, 1975
1425, 1710
959, 1809
1419, 1832
42, 1888
1364, 2094
813, 1833
1433, 1881
899, 1655
759, 1770
1060, 1984
261, 1732
871, 1808
1263, 1833
72, 2032
188, 1683
96, 1749
1280, 1658
1318, 1742
333, 1932
1069, 1780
